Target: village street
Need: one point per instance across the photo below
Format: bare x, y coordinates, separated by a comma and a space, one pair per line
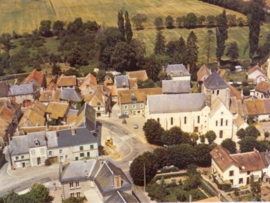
129, 144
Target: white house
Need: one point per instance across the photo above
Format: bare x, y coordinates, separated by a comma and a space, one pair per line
258, 107
236, 168
256, 75
262, 90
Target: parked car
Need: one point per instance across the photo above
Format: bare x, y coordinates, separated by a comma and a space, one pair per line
136, 126
124, 116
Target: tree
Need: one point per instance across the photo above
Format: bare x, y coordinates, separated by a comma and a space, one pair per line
252, 131
152, 131
211, 20
241, 133
192, 52
74, 57
164, 76
202, 155
74, 200
229, 145
190, 21
121, 25
221, 35
172, 136
152, 68
160, 41
231, 19
45, 28
233, 51
100, 76
194, 137
192, 182
160, 157
180, 155
171, 48
169, 21
202, 138
136, 169
158, 22
138, 19
266, 135
255, 17
179, 21
191, 169
10, 196
58, 27
248, 143
39, 192
209, 43
211, 136
202, 18
149, 83
128, 30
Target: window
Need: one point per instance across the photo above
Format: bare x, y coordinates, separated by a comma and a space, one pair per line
17, 158
157, 119
171, 120
185, 120
76, 158
126, 112
81, 148
71, 184
221, 134
50, 153
198, 119
217, 92
231, 181
231, 173
22, 157
257, 94
221, 113
240, 180
126, 107
42, 151
72, 194
134, 106
33, 152
221, 122
141, 105
78, 194
213, 92
248, 172
81, 154
226, 122
216, 123
98, 108
77, 184
91, 146
60, 151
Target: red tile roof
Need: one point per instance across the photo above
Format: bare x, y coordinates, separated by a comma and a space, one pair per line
35, 75
254, 69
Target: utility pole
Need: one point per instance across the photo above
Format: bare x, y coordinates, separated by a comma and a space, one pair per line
144, 177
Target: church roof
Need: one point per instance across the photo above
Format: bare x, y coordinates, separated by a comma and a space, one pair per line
214, 81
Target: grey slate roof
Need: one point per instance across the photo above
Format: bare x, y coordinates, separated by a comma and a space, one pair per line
128, 197
120, 80
214, 81
71, 112
175, 86
78, 170
176, 103
4, 89
121, 197
176, 70
22, 89
82, 136
70, 93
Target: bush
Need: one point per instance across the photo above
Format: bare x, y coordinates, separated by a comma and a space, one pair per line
225, 186
48, 162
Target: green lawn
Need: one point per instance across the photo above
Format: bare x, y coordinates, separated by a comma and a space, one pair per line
25, 15
175, 190
240, 76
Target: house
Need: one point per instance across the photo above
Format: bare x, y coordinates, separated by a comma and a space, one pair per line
101, 101
50, 95
236, 102
214, 86
88, 84
23, 94
258, 107
236, 168
177, 72
138, 75
113, 91
256, 75
121, 82
36, 78
203, 73
99, 179
262, 90
132, 102
57, 112
71, 95
175, 86
34, 116
66, 81
10, 112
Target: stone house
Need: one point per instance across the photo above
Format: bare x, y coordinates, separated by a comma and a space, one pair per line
236, 168
50, 95
177, 71
175, 86
36, 78
256, 75
258, 107
203, 73
102, 180
57, 112
88, 84
66, 81
262, 90
121, 82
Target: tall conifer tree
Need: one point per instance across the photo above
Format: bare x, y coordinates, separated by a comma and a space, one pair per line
128, 29
121, 25
160, 47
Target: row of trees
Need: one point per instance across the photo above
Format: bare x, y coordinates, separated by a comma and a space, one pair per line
192, 21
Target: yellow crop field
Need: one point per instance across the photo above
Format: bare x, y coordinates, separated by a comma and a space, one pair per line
25, 15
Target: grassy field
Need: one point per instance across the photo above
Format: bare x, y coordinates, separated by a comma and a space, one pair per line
25, 15
239, 34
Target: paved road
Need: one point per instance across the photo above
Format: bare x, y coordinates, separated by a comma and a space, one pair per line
129, 144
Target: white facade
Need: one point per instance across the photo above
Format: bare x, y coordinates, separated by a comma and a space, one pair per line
257, 77
87, 150
185, 77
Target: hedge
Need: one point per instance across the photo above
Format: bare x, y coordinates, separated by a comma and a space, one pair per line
225, 186
170, 175
207, 190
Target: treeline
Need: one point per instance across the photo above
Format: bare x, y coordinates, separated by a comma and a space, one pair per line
192, 21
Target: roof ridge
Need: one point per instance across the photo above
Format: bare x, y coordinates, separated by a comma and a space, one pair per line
121, 196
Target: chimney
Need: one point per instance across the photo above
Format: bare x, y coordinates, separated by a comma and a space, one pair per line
44, 137
73, 131
188, 68
163, 69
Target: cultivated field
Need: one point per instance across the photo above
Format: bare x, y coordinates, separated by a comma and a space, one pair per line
25, 15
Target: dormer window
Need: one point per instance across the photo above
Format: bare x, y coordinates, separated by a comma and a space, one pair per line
98, 103
117, 182
36, 141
